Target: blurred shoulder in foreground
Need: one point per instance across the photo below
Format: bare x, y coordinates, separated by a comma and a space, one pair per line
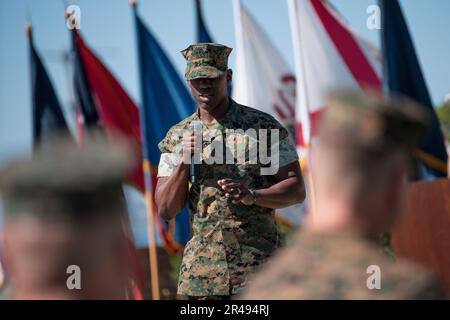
358, 165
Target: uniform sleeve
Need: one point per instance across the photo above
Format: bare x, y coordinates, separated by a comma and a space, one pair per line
288, 153
287, 150
167, 144
169, 159
167, 164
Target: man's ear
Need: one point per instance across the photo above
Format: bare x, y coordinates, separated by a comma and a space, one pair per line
229, 76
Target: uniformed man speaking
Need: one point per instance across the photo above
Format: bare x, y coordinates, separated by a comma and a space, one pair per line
232, 200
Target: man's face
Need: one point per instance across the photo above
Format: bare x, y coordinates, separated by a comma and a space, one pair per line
209, 93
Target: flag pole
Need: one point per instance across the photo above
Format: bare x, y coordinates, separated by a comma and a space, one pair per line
153, 257
302, 98
28, 23
150, 206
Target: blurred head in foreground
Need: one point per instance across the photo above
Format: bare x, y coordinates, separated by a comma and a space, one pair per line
63, 230
358, 165
359, 162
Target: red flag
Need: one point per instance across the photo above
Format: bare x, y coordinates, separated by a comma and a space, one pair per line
117, 111
118, 114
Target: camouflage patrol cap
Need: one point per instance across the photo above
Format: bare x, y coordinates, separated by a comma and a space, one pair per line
368, 121
206, 60
66, 180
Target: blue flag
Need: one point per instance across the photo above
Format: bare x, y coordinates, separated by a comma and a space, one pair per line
48, 118
202, 33
403, 76
165, 102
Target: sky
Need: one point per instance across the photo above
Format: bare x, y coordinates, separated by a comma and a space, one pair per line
108, 28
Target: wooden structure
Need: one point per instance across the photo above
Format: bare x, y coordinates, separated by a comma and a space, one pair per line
423, 232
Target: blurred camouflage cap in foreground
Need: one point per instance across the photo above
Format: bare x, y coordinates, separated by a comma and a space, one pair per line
63, 178
369, 122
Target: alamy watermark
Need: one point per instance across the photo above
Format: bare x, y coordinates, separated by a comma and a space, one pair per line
374, 280
73, 281
373, 21
73, 17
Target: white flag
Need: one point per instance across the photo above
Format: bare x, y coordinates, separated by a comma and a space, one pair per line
264, 81
328, 56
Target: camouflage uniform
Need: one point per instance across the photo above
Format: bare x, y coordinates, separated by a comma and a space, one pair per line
334, 264
228, 241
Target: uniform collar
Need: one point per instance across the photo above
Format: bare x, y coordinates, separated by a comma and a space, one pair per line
231, 111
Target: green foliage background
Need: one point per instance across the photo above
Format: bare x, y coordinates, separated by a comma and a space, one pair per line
443, 113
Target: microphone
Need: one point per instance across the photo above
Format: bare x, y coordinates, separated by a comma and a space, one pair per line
194, 168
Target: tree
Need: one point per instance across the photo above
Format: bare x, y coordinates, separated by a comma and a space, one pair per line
443, 113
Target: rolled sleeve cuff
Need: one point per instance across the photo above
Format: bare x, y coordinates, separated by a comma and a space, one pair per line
167, 164
288, 153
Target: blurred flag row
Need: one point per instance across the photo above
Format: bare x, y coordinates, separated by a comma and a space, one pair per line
328, 55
